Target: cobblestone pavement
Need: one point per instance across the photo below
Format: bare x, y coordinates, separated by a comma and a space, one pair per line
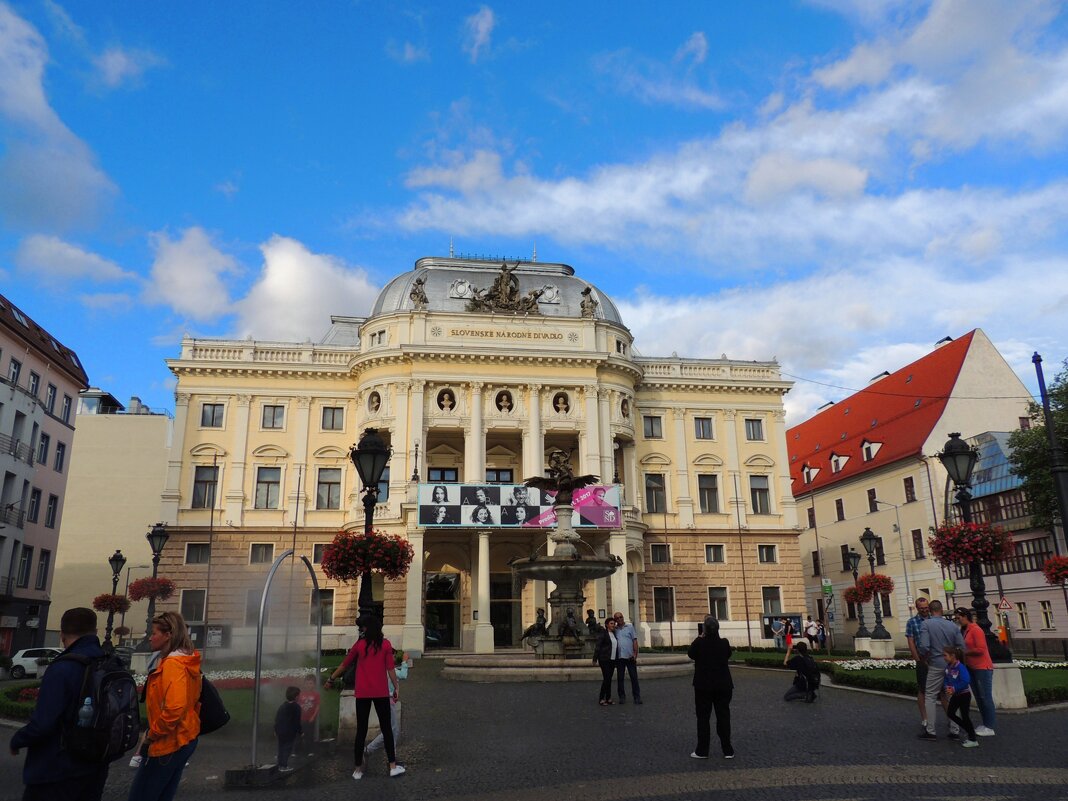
483, 742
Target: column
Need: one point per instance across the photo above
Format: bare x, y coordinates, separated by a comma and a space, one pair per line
593, 430
299, 502
737, 479
400, 466
617, 546
413, 636
171, 495
415, 410
533, 437
235, 492
684, 498
475, 439
787, 504
604, 399
483, 629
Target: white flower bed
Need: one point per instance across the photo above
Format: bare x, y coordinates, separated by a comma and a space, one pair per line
220, 675
1034, 663
875, 664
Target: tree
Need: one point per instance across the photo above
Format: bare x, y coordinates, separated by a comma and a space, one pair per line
1030, 458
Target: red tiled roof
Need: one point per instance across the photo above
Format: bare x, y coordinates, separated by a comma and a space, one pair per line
898, 411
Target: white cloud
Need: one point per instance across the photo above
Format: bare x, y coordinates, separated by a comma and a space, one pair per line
656, 83
478, 29
117, 66
108, 301
695, 49
188, 275
52, 259
406, 53
229, 188
780, 174
297, 291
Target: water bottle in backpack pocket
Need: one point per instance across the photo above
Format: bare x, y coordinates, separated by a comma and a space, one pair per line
105, 722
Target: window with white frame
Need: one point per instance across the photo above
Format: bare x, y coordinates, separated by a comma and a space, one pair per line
50, 398
22, 578
660, 553
754, 429
760, 495
1025, 620
322, 607
715, 554
35, 384
66, 408
14, 369
708, 493
652, 427
655, 493
51, 511
205, 480
211, 415
43, 563
328, 488
702, 427
274, 416
837, 463
192, 605
767, 554
717, 603
260, 553
333, 418
35, 505
197, 553
268, 487
1047, 615
663, 604
771, 597
42, 448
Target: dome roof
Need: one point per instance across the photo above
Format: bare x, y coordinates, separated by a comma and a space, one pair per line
448, 284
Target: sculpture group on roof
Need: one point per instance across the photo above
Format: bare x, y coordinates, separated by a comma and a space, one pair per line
504, 295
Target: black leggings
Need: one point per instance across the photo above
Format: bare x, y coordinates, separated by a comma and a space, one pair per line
961, 701
363, 715
608, 667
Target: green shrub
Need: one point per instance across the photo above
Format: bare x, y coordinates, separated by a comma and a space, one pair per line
12, 707
1046, 695
864, 679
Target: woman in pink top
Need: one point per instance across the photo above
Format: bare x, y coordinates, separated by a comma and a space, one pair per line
374, 663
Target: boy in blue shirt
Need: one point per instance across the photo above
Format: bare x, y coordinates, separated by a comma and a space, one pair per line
957, 686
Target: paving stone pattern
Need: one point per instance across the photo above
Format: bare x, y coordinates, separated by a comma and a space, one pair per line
545, 742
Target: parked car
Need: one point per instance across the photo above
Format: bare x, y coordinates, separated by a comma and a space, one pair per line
24, 662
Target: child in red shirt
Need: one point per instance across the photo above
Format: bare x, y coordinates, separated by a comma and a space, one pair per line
309, 710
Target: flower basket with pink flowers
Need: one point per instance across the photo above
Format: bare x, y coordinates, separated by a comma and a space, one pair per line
152, 589
854, 595
963, 543
353, 553
115, 604
1056, 570
875, 583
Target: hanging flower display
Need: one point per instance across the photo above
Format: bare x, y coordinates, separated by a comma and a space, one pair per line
854, 595
148, 588
353, 553
122, 631
1056, 570
106, 602
875, 583
961, 543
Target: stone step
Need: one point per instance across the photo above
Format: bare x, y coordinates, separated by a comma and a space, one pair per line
490, 668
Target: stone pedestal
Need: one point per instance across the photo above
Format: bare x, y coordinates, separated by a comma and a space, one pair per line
483, 638
881, 649
1008, 687
413, 638
346, 719
862, 644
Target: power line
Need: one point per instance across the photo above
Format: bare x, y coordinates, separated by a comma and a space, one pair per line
907, 394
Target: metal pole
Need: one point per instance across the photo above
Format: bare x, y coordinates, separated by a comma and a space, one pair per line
292, 565
1058, 461
366, 599
151, 600
741, 559
211, 547
862, 630
108, 646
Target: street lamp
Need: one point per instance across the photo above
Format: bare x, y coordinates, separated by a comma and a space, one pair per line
370, 456
116, 561
870, 543
959, 459
854, 563
157, 538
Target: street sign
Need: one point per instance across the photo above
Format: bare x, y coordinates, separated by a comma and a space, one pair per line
1004, 606
828, 588
949, 585
910, 601
830, 617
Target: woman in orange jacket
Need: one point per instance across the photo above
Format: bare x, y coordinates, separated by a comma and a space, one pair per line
172, 703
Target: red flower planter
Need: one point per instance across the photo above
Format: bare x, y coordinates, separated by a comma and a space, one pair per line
351, 554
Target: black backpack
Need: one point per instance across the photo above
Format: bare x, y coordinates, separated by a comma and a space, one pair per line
116, 721
812, 673
213, 714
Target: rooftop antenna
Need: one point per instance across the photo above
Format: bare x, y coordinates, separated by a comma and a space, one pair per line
450, 248
534, 255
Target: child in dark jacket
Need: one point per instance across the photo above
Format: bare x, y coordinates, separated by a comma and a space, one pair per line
957, 686
287, 727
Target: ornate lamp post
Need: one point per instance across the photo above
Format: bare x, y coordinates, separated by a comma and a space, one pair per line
959, 460
854, 563
116, 561
157, 539
370, 456
870, 542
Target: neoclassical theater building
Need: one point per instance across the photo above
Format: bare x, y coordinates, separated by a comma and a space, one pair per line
473, 372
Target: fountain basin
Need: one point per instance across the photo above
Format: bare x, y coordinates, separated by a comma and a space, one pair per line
563, 570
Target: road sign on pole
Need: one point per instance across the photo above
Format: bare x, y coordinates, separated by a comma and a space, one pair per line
1004, 606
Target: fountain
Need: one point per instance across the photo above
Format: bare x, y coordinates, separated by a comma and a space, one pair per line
566, 567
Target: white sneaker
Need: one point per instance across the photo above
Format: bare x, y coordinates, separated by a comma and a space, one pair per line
695, 755
357, 774
970, 744
983, 731
286, 770
135, 761
397, 771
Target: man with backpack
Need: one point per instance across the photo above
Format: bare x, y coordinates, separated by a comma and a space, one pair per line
806, 674
50, 771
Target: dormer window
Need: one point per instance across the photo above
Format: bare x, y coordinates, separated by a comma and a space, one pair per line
869, 449
838, 462
808, 473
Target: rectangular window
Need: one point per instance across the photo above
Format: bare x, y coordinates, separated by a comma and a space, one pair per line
274, 416
205, 479
839, 508
322, 607
328, 490
768, 554
22, 578
1047, 614
660, 553
268, 487
754, 430
815, 563
708, 494
652, 427
702, 427
443, 475
655, 495
910, 489
383, 486
13, 371
197, 553
333, 418
663, 604
211, 415
884, 600
873, 501
260, 553
66, 408
252, 608
772, 600
1021, 610
717, 603
61, 457
917, 544
811, 517
845, 559
42, 448
51, 511
35, 384
880, 554
50, 398
851, 610
760, 495
715, 554
499, 475
192, 605
317, 552
44, 561
35, 506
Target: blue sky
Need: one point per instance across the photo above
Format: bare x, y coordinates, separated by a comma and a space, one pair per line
834, 184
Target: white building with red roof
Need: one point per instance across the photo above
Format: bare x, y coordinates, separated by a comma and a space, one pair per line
868, 461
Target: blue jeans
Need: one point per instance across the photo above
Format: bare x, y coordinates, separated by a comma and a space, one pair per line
982, 682
158, 777
624, 666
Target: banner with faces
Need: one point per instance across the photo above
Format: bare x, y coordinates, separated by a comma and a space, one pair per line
514, 505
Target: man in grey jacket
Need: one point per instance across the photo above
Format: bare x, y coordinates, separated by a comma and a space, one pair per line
935, 634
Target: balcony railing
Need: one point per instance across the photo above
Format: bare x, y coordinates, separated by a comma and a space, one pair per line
20, 450
11, 515
7, 586
1020, 563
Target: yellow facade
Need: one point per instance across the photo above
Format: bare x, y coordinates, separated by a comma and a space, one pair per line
457, 393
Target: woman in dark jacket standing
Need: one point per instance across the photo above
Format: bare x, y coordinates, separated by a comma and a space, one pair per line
605, 654
712, 688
